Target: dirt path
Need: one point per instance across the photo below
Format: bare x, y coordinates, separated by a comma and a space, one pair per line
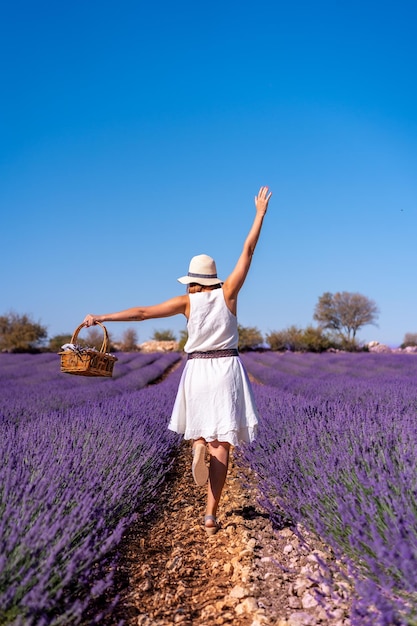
245, 575
175, 573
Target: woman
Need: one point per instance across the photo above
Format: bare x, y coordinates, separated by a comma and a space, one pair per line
214, 405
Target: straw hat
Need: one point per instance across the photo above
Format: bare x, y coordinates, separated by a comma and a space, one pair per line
202, 270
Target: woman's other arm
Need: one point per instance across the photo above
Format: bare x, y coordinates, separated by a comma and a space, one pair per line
174, 306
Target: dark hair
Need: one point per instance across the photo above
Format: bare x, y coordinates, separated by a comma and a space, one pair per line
197, 287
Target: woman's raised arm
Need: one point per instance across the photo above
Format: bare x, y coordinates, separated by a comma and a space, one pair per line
235, 280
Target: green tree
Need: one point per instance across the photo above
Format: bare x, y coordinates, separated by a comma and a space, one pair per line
19, 333
163, 335
345, 313
314, 339
249, 338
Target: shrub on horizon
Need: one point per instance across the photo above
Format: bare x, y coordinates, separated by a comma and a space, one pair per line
295, 339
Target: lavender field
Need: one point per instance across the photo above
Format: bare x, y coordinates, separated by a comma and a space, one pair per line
79, 458
337, 453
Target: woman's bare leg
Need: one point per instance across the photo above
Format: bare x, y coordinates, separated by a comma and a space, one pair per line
219, 463
199, 467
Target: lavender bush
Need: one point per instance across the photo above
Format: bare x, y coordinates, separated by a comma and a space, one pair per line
336, 452
79, 458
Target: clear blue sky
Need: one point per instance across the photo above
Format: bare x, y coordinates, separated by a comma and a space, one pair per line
134, 135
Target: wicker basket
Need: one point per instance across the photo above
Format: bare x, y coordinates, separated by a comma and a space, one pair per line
86, 361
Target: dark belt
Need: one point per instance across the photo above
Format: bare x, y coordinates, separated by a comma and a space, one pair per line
213, 354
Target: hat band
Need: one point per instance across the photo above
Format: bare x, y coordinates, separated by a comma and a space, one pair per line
192, 275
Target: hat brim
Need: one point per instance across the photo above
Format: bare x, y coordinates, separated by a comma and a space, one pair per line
187, 280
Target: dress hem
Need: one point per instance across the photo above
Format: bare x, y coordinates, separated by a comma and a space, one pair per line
235, 438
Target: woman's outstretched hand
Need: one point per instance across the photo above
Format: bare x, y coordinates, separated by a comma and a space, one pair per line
262, 200
89, 320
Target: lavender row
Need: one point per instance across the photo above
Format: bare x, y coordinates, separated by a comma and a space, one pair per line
338, 456
352, 375
33, 383
71, 480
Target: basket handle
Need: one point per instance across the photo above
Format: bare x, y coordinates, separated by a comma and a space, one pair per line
104, 345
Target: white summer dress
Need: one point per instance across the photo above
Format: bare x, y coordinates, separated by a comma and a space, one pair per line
214, 398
